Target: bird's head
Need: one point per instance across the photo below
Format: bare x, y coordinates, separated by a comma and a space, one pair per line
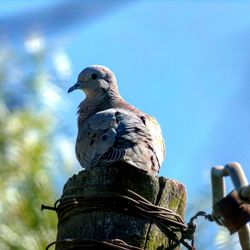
96, 80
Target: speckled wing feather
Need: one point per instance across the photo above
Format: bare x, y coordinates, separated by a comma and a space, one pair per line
96, 136
157, 139
117, 134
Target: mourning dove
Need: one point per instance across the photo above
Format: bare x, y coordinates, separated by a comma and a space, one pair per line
111, 130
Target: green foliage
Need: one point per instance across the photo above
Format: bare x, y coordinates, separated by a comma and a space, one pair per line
25, 167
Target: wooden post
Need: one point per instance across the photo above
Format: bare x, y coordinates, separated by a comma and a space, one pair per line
111, 224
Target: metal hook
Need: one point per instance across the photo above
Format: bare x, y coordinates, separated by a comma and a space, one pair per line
242, 192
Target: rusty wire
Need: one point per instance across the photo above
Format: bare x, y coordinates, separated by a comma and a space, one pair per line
92, 244
170, 222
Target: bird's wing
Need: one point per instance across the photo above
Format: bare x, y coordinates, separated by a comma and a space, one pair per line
140, 135
96, 137
117, 134
157, 139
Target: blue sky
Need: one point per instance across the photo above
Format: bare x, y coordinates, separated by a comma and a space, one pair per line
184, 62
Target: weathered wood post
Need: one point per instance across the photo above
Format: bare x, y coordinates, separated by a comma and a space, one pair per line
91, 213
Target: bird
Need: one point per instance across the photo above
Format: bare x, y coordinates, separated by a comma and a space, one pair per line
111, 130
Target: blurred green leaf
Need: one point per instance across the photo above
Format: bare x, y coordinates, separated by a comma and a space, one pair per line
26, 133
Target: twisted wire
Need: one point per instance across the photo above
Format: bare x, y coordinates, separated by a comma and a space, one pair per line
170, 222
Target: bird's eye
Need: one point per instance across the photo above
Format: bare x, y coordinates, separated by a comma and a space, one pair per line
94, 76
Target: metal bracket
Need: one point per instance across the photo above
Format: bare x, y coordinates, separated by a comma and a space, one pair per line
233, 210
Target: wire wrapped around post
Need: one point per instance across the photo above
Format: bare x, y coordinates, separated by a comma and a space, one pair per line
167, 220
96, 205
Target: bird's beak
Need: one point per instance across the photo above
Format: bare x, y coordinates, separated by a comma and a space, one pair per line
78, 85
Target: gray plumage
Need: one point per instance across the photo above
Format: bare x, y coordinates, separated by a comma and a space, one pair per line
111, 130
